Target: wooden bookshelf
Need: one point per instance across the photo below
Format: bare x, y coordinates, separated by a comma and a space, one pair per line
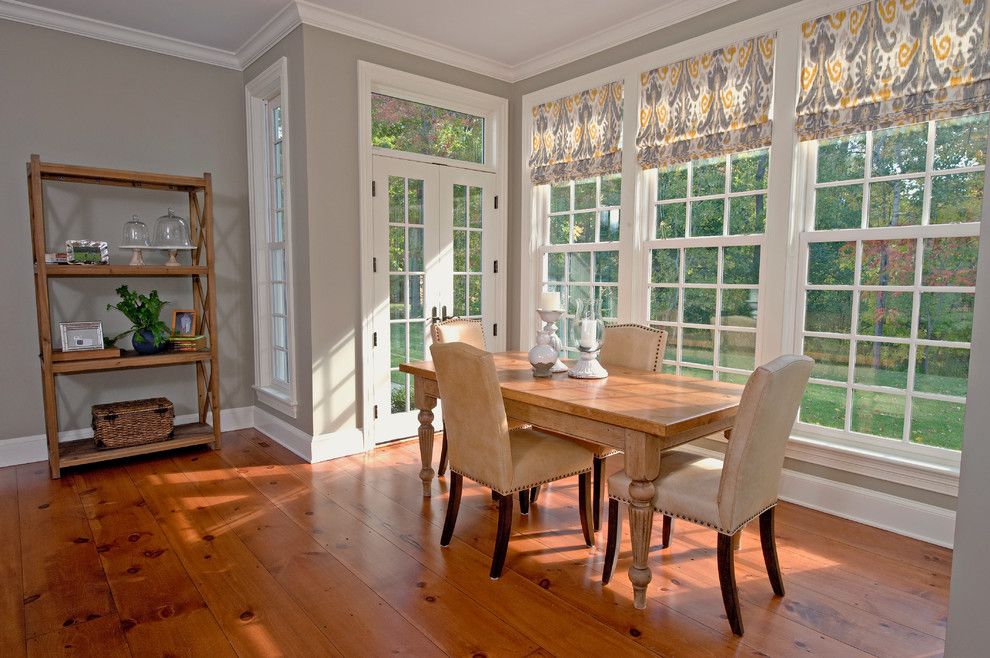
201, 273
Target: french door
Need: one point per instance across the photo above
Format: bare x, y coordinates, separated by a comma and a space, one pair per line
435, 250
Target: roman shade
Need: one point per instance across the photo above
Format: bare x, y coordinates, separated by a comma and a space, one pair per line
886, 62
715, 103
578, 136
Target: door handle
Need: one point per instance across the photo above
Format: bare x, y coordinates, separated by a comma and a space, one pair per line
445, 317
433, 316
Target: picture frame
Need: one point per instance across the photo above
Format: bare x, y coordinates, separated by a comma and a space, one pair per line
81, 336
184, 322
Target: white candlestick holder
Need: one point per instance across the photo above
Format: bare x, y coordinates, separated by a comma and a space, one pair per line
550, 318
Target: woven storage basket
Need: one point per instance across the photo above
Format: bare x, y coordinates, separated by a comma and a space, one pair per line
133, 423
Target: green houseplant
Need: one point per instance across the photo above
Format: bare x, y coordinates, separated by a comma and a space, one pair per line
150, 333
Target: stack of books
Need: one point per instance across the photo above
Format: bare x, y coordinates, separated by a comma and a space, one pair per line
188, 343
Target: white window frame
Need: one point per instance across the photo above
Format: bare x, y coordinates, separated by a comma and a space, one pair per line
270, 84
786, 208
408, 86
898, 448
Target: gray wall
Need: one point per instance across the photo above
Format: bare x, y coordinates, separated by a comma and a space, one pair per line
82, 101
966, 634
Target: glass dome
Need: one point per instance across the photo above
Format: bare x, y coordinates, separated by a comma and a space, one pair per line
171, 232
135, 233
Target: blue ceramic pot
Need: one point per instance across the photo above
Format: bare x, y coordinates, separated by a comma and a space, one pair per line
146, 343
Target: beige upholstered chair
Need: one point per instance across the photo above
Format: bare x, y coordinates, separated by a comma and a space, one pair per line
628, 346
456, 330
727, 494
484, 449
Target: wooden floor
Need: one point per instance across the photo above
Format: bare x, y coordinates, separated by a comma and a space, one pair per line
249, 551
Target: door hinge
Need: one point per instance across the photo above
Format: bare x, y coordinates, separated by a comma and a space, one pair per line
496, 202
495, 270
376, 412
374, 190
374, 339
495, 329
374, 264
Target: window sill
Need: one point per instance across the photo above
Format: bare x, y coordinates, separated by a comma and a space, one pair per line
277, 400
940, 478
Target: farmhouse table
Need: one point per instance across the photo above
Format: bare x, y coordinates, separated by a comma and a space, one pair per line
639, 412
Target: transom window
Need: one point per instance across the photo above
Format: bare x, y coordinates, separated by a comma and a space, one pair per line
889, 274
705, 249
403, 125
581, 254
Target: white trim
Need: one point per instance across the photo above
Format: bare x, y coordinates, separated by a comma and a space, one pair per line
271, 83
276, 29
53, 19
313, 449
496, 111
910, 518
27, 449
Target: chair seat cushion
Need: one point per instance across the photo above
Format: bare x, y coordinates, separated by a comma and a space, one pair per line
686, 488
538, 457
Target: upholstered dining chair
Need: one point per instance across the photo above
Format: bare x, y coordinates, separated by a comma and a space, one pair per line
726, 494
456, 330
484, 449
629, 346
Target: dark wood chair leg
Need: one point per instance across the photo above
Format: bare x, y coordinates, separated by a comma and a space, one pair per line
584, 508
599, 489
453, 505
768, 541
524, 501
727, 581
534, 493
442, 467
494, 495
614, 540
502, 535
668, 527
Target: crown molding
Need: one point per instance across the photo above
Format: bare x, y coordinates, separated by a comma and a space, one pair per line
360, 28
20, 12
669, 13
276, 29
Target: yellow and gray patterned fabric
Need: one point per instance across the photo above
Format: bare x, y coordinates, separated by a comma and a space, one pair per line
578, 136
713, 104
893, 62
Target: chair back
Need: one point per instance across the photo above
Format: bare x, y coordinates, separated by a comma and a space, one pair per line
633, 346
473, 414
754, 457
456, 330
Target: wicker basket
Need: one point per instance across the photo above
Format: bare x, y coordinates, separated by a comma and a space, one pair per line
133, 423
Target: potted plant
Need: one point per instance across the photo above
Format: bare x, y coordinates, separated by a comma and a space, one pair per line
150, 334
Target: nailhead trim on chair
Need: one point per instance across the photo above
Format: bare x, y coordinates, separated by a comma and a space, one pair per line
656, 357
435, 327
704, 523
509, 492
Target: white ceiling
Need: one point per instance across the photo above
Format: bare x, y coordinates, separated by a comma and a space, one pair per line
509, 39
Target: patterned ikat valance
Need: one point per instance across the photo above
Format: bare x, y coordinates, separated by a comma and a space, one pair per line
712, 104
578, 136
891, 62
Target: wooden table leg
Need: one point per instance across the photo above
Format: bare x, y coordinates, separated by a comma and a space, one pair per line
425, 403
643, 466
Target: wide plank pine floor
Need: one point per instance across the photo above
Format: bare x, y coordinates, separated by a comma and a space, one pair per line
249, 551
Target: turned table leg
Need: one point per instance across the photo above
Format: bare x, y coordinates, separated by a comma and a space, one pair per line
643, 466
425, 403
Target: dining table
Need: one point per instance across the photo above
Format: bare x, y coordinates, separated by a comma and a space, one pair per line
639, 412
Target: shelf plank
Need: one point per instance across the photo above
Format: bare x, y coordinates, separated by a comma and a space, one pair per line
131, 360
124, 270
100, 176
83, 451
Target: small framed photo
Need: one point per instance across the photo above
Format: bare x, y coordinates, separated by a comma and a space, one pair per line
80, 336
183, 322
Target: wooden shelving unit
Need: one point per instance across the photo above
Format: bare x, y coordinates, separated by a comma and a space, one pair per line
201, 273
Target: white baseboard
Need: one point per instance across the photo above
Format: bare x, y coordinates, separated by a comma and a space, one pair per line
929, 523
313, 449
27, 449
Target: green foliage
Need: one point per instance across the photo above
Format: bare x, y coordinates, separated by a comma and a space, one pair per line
403, 125
143, 311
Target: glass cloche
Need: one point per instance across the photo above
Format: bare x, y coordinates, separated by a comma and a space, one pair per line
171, 232
135, 234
